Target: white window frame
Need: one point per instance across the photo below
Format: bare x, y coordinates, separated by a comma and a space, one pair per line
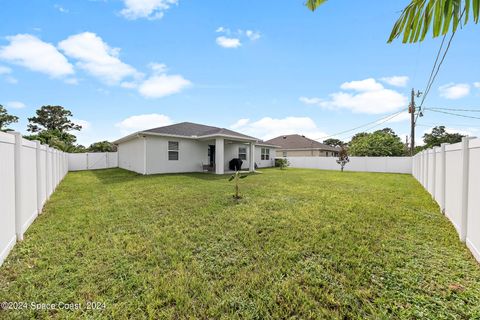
173, 150
242, 153
265, 154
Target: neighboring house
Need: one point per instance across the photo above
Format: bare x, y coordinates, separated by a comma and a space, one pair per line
295, 145
191, 147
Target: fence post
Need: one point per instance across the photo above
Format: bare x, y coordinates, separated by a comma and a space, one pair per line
434, 171
443, 176
464, 221
18, 185
38, 150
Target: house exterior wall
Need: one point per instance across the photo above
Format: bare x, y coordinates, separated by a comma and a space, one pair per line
304, 153
131, 155
264, 163
191, 155
231, 151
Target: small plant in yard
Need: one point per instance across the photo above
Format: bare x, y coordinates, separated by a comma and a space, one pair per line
343, 157
236, 177
282, 163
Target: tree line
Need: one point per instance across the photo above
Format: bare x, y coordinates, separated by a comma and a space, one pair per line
52, 125
386, 143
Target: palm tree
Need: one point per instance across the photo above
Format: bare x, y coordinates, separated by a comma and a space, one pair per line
422, 15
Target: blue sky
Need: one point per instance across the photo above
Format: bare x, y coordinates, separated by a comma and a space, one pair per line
264, 68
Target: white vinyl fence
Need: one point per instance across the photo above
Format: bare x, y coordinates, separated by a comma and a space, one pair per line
451, 174
29, 173
367, 164
92, 160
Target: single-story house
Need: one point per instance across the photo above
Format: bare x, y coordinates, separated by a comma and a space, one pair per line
295, 145
191, 147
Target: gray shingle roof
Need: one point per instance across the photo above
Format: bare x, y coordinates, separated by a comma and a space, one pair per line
189, 129
296, 141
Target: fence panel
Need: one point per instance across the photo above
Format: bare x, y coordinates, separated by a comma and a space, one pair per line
29, 172
368, 164
92, 160
7, 194
96, 161
453, 184
451, 173
28, 186
473, 225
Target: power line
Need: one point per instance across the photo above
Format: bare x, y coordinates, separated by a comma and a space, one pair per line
455, 114
434, 74
386, 118
453, 109
433, 70
443, 124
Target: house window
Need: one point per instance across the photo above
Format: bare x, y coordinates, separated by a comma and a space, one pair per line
172, 150
284, 153
327, 153
265, 154
242, 153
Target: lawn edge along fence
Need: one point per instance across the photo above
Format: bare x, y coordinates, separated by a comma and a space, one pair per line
451, 174
29, 174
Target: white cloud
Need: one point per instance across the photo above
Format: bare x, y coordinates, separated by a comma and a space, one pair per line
404, 116
465, 131
30, 52
369, 96
476, 84
233, 39
454, 90
252, 35
60, 8
362, 85
240, 123
397, 81
5, 70
160, 84
97, 57
15, 105
268, 128
150, 9
86, 126
143, 122
226, 42
71, 81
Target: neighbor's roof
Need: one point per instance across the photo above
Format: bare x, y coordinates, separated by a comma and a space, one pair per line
296, 141
191, 130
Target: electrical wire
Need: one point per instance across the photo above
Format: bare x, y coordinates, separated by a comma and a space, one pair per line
376, 122
434, 74
455, 114
453, 109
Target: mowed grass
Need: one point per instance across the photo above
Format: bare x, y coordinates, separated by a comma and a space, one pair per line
301, 244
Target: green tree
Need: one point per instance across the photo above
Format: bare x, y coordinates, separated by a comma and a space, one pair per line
334, 142
102, 146
6, 119
420, 16
438, 136
381, 143
51, 126
52, 118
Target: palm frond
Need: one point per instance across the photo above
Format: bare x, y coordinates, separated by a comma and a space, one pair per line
314, 4
440, 16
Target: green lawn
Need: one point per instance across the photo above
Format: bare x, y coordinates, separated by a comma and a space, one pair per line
300, 244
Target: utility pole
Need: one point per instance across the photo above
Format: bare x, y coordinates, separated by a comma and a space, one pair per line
411, 110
